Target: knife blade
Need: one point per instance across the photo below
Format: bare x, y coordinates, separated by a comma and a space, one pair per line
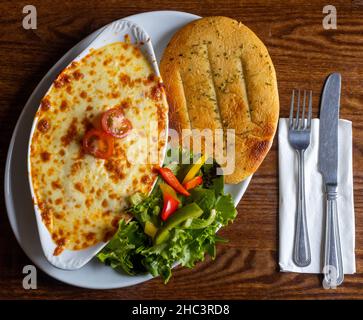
328, 135
328, 167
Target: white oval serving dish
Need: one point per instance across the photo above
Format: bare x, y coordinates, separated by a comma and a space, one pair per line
114, 32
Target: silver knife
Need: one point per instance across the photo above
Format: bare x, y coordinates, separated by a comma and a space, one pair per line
328, 167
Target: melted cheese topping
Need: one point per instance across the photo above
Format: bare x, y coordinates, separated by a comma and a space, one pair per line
82, 198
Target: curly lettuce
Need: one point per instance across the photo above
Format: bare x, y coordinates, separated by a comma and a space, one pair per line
133, 252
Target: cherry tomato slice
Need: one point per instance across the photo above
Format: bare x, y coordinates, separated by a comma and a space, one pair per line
114, 123
98, 143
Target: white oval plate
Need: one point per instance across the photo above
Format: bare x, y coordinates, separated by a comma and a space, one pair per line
114, 32
160, 25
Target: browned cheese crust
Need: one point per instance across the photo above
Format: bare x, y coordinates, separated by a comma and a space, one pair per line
219, 75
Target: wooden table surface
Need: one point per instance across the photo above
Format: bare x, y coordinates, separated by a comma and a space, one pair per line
303, 53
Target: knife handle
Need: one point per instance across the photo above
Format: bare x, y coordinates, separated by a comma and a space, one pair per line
333, 264
301, 253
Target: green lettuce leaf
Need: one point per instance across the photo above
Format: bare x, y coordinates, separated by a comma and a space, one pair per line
146, 208
204, 198
123, 251
225, 207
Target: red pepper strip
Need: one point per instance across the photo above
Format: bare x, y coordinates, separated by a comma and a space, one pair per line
170, 206
172, 181
171, 201
191, 184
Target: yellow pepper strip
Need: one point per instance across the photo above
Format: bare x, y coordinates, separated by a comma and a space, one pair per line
195, 169
165, 188
150, 229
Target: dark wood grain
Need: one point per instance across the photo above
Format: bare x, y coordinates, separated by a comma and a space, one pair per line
303, 54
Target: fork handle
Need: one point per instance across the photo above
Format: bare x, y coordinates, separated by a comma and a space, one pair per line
302, 253
333, 264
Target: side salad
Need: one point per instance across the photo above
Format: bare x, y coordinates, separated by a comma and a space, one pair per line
177, 222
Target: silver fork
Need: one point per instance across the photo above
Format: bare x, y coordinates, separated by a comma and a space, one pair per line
299, 138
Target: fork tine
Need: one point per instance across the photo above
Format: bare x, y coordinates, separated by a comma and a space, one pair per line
297, 110
310, 109
292, 109
302, 122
